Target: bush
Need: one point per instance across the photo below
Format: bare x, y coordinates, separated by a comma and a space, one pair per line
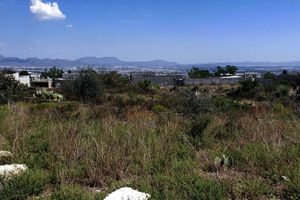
10, 89
37, 151
198, 73
147, 86
72, 193
21, 187
52, 73
270, 90
24, 73
269, 75
187, 103
114, 80
86, 86
181, 187
251, 189
197, 128
160, 108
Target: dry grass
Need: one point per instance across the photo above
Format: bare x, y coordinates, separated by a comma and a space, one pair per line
93, 147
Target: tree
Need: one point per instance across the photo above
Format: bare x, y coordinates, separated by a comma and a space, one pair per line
248, 85
112, 80
220, 71
10, 89
24, 73
7, 71
85, 86
269, 75
198, 73
52, 73
284, 72
230, 69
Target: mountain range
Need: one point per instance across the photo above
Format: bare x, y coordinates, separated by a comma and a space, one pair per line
113, 61
85, 61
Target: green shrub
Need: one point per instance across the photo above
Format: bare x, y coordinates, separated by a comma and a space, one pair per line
181, 187
72, 193
86, 86
10, 89
160, 108
269, 75
147, 86
21, 187
292, 192
37, 151
114, 80
197, 129
251, 189
187, 103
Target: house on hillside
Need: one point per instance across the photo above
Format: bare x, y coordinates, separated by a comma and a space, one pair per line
33, 81
42, 83
252, 75
23, 79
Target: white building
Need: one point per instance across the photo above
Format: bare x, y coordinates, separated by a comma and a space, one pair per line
22, 79
252, 75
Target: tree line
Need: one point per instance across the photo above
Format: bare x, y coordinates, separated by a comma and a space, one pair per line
195, 72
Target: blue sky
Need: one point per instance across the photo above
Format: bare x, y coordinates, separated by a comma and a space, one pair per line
186, 31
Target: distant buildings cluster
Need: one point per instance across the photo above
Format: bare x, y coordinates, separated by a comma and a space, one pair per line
178, 79
34, 80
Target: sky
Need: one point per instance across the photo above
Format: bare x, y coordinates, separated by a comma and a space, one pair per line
185, 31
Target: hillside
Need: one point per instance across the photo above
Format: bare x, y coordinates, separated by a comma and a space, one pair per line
199, 142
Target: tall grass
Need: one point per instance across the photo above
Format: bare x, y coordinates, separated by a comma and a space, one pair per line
171, 157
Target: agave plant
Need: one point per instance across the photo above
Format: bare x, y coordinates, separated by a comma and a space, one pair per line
223, 161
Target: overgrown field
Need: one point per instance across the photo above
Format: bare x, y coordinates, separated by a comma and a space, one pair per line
191, 143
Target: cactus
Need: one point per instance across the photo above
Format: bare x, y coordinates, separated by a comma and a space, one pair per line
218, 162
224, 162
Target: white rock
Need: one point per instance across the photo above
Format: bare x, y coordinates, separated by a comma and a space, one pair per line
127, 193
11, 170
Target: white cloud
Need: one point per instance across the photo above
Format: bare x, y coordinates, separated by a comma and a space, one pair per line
46, 11
69, 26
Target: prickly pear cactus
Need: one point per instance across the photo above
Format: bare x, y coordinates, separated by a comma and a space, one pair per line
226, 161
218, 162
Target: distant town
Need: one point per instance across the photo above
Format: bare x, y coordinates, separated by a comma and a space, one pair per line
34, 77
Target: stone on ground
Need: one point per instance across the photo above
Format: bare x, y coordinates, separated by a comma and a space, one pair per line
127, 193
7, 171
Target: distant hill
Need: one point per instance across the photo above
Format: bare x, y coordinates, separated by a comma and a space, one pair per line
113, 62
85, 61
101, 61
250, 64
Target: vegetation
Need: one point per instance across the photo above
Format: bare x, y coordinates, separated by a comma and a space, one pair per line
269, 75
24, 73
220, 71
204, 142
10, 89
231, 69
7, 71
198, 73
52, 73
87, 86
